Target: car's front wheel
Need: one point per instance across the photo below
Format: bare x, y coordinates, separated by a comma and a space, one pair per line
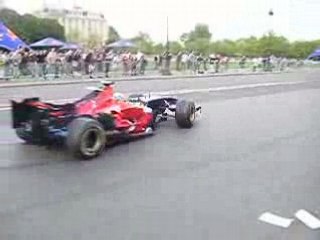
185, 114
86, 138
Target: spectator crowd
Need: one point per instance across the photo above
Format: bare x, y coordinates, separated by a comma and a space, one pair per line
100, 62
42, 63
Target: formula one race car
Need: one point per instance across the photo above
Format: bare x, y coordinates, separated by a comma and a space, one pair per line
99, 119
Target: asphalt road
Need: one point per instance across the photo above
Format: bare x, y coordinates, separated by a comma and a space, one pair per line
254, 150
52, 92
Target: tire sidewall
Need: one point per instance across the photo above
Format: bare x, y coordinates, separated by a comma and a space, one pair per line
185, 114
76, 130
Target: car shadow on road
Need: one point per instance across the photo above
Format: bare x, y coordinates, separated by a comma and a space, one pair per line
22, 155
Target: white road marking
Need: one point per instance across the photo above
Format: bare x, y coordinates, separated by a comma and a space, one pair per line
276, 220
308, 219
228, 88
11, 142
186, 91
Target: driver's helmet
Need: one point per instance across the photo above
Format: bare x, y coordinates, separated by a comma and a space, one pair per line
119, 96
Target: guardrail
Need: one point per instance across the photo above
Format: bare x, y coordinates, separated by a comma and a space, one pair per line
37, 71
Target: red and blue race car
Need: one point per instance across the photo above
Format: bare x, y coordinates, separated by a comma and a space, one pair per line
97, 120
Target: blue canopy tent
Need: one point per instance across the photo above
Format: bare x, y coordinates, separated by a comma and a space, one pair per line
70, 46
48, 42
315, 54
8, 39
122, 44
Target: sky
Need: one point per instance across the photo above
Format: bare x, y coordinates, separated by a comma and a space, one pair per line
232, 19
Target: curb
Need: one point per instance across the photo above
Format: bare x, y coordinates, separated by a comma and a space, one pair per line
134, 79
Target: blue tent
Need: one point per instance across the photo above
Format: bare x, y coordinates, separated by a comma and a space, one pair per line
122, 44
48, 42
315, 54
70, 46
8, 39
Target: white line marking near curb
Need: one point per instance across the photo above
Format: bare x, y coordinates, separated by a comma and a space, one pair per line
63, 100
11, 142
186, 91
276, 220
218, 89
308, 219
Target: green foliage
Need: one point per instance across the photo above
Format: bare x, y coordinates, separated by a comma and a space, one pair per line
224, 47
144, 43
272, 44
200, 31
198, 39
175, 47
158, 48
248, 46
300, 49
113, 35
269, 44
31, 28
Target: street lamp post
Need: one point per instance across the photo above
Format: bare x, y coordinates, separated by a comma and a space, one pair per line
167, 44
271, 14
167, 55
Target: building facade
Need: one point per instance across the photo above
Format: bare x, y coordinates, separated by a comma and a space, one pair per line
2, 5
80, 25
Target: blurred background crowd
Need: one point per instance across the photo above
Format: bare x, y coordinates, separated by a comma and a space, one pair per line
52, 63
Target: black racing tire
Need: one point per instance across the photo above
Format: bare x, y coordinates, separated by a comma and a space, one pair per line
24, 135
185, 114
86, 138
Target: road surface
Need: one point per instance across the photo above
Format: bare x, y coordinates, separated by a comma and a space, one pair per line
52, 92
255, 149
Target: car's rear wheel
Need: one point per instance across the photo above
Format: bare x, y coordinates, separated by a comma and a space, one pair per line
24, 135
185, 114
86, 138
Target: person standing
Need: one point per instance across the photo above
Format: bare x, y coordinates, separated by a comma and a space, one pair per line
108, 61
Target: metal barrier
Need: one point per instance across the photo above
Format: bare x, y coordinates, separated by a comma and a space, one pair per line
65, 70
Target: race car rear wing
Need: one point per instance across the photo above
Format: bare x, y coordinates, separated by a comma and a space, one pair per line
20, 111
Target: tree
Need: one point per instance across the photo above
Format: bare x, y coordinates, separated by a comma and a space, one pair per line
272, 44
30, 28
200, 31
302, 49
198, 39
113, 35
158, 48
224, 47
144, 42
175, 47
248, 47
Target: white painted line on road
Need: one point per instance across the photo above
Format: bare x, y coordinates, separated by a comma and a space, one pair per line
308, 219
273, 219
62, 101
228, 88
188, 91
11, 142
